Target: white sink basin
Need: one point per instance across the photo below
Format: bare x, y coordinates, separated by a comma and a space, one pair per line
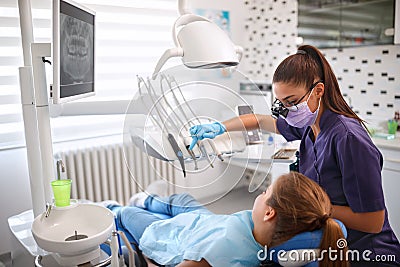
73, 230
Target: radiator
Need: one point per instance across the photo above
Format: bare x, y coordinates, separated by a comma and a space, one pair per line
101, 172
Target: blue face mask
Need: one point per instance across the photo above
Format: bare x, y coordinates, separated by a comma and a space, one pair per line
300, 116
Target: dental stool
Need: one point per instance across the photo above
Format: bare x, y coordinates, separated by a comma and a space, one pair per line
300, 250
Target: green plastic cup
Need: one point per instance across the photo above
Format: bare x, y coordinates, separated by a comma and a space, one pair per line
392, 126
62, 192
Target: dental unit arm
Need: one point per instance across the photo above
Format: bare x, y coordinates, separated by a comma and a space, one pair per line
165, 133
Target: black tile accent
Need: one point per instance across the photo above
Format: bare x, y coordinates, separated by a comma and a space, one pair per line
383, 92
351, 87
339, 78
358, 70
398, 55
344, 94
352, 57
370, 74
345, 70
389, 105
384, 74
334, 58
391, 79
378, 61
364, 61
397, 97
376, 104
369, 112
363, 91
385, 52
370, 83
356, 111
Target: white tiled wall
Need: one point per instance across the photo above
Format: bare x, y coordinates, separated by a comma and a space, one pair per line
270, 31
369, 78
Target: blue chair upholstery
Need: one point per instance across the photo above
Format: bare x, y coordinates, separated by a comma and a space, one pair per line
304, 241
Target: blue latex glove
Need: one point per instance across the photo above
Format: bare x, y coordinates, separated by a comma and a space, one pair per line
199, 132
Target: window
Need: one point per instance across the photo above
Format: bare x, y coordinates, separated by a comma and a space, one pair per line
131, 35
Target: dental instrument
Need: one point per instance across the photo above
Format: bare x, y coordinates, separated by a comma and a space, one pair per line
119, 239
131, 252
163, 114
178, 152
163, 95
205, 154
114, 249
171, 80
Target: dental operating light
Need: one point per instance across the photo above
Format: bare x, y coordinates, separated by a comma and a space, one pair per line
200, 43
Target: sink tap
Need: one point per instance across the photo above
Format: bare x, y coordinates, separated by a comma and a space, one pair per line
60, 168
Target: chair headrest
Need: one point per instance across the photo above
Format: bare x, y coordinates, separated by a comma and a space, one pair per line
306, 243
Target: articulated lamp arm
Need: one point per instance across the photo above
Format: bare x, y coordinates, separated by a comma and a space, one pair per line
172, 52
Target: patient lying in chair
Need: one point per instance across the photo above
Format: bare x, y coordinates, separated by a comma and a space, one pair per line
178, 230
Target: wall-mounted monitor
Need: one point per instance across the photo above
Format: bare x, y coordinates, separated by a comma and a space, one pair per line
73, 51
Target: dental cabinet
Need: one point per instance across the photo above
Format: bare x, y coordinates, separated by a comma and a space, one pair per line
390, 150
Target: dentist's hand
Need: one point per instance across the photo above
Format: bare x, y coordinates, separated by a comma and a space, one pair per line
199, 132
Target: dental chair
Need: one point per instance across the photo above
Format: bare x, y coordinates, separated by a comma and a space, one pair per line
300, 250
291, 252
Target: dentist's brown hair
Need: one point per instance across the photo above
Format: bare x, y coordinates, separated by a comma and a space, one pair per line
307, 66
302, 205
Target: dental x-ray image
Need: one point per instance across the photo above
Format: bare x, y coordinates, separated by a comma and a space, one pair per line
76, 51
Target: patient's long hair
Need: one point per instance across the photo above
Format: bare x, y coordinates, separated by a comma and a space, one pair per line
302, 205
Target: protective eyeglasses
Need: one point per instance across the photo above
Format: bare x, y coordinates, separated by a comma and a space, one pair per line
280, 109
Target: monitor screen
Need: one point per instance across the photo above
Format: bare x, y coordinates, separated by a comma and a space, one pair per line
73, 51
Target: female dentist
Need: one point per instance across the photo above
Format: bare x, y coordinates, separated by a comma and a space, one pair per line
335, 150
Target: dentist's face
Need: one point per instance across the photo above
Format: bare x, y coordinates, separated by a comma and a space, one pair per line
290, 95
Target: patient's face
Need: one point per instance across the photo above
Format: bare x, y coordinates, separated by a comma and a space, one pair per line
260, 206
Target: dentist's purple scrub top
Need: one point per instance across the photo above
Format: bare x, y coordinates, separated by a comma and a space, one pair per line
344, 161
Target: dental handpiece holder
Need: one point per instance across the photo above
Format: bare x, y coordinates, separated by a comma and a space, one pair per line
201, 44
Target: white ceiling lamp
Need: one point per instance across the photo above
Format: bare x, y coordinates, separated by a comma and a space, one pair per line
200, 43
